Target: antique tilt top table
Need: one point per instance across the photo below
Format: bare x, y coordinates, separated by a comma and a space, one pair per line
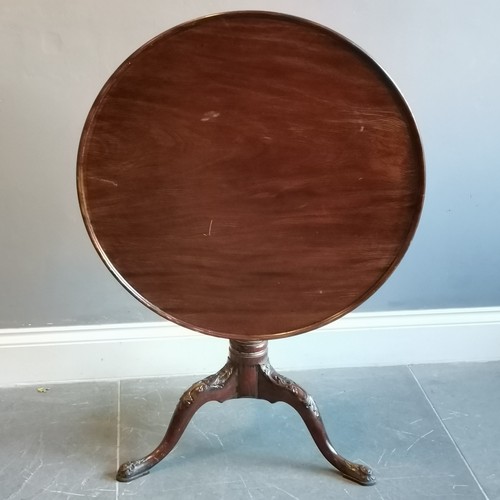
251, 176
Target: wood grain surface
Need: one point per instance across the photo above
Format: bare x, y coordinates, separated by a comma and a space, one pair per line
250, 175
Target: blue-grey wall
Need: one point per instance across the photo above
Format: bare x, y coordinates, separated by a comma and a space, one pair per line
55, 56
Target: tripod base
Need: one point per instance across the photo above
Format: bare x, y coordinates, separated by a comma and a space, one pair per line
247, 374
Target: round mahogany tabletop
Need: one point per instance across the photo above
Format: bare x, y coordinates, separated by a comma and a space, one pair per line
250, 175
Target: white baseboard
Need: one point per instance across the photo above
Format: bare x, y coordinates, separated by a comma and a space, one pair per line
63, 354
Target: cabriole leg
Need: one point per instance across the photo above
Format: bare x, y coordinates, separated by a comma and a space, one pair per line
275, 387
219, 387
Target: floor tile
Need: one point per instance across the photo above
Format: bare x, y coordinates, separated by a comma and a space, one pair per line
467, 397
59, 444
249, 449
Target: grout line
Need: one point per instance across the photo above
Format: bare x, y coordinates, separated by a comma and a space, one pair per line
118, 423
459, 451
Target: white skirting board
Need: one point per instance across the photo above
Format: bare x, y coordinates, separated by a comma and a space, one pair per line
98, 352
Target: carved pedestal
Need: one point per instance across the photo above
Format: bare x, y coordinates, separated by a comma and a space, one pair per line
247, 374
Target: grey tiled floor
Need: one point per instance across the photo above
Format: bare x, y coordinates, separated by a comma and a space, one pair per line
428, 431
